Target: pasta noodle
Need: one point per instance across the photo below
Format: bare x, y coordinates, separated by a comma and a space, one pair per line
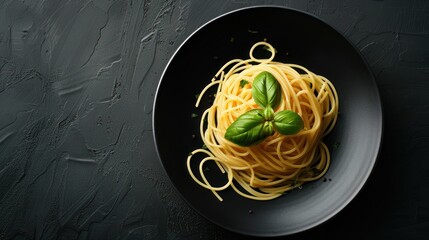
280, 163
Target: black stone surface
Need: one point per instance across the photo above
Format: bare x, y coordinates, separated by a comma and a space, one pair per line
77, 83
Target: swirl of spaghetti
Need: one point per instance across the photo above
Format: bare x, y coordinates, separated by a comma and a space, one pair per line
280, 163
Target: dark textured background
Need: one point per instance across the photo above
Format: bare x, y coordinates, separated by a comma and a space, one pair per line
77, 83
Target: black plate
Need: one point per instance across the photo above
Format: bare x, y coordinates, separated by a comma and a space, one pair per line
299, 38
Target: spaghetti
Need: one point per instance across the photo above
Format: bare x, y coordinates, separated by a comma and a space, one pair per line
280, 163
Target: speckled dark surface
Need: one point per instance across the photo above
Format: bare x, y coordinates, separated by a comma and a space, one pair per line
77, 83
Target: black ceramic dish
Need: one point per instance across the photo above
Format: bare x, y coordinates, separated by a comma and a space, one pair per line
298, 38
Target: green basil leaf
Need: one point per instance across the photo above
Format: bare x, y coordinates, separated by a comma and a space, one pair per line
243, 83
249, 129
287, 122
266, 90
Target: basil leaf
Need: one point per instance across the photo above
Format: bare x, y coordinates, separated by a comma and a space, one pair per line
243, 83
287, 122
249, 129
266, 90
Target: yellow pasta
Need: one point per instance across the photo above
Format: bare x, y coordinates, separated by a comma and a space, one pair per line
280, 163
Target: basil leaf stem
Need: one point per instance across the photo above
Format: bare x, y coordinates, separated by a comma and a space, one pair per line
268, 113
